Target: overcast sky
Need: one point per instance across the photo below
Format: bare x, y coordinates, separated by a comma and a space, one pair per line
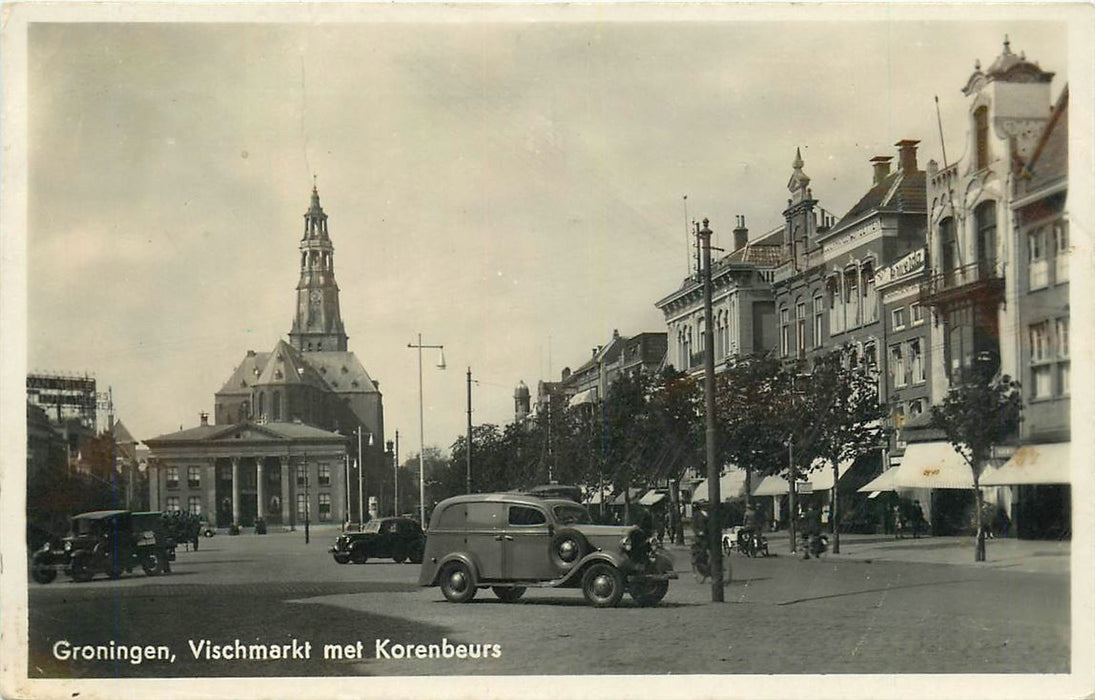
512, 190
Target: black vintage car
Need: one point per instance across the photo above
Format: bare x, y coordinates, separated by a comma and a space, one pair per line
102, 541
401, 539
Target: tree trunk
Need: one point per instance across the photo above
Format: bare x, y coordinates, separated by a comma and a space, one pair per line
979, 552
834, 512
675, 511
748, 486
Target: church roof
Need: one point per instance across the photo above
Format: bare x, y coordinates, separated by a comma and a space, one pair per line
286, 365
122, 435
246, 374
341, 371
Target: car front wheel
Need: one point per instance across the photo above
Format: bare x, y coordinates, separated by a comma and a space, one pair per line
456, 582
603, 585
648, 593
42, 572
81, 567
358, 556
508, 594
153, 564
342, 558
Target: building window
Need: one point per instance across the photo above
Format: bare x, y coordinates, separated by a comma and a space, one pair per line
917, 313
1062, 337
324, 478
173, 504
302, 505
1061, 250
819, 310
851, 300
800, 327
1041, 368
870, 299
897, 366
172, 477
898, 316
194, 505
302, 473
193, 477
981, 131
985, 217
784, 331
1036, 256
324, 506
916, 361
948, 245
916, 408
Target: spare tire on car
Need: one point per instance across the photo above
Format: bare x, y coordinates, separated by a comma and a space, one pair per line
567, 548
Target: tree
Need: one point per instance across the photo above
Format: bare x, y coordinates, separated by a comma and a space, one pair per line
675, 413
979, 412
749, 399
849, 421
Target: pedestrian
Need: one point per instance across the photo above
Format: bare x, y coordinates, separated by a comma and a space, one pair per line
898, 524
811, 528
917, 519
659, 527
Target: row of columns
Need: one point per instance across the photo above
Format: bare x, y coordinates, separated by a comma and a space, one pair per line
285, 467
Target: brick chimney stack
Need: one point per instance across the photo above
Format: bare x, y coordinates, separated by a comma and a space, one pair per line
741, 233
906, 153
881, 168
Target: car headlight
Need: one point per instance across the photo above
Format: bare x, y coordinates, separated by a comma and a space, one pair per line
68, 546
625, 543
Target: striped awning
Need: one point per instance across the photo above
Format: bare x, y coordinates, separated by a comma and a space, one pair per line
652, 497
1033, 464
587, 396
731, 485
933, 465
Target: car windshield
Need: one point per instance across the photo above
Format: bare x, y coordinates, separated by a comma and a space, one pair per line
372, 526
571, 514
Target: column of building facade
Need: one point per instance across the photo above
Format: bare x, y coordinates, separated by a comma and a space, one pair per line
235, 491
209, 500
260, 488
284, 467
155, 473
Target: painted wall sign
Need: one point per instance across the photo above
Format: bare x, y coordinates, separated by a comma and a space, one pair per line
910, 264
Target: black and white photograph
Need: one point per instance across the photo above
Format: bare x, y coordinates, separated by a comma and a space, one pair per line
547, 350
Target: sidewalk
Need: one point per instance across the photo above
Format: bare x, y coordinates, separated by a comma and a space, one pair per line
1037, 556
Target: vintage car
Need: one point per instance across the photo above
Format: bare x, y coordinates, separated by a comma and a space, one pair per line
401, 539
102, 541
509, 542
151, 530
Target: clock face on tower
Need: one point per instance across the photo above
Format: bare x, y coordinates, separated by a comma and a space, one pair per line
316, 295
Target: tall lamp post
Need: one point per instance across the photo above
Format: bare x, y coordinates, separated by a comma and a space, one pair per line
361, 480
395, 475
468, 455
421, 425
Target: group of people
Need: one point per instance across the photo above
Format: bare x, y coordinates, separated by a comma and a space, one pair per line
913, 521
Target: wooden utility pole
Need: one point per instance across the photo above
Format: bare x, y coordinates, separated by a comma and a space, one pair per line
714, 527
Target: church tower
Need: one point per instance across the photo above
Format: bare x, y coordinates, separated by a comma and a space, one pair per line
317, 325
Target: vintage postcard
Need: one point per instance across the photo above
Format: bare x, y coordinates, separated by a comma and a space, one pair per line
527, 350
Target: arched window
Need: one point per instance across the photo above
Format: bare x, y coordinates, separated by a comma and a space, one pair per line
275, 406
948, 245
262, 403
985, 216
981, 130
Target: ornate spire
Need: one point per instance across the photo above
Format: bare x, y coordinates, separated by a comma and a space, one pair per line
799, 180
317, 324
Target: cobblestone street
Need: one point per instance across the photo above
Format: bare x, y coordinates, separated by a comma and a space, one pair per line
863, 611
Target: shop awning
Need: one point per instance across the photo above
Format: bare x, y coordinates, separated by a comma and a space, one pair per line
933, 465
587, 396
1033, 464
596, 498
651, 497
882, 482
731, 485
777, 486
821, 478
621, 500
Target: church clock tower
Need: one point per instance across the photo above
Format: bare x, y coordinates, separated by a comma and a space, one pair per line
317, 325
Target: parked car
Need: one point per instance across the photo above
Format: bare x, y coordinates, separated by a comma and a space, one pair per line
509, 542
102, 541
152, 532
400, 539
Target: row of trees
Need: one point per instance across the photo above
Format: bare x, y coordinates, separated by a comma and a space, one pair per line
773, 418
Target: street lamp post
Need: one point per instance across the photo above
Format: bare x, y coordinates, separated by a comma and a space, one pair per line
421, 426
307, 502
469, 433
395, 475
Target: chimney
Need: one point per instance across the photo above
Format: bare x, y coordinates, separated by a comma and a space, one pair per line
204, 417
881, 168
741, 233
906, 154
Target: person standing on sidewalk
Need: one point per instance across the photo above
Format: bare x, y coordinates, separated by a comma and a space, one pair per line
917, 519
898, 525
